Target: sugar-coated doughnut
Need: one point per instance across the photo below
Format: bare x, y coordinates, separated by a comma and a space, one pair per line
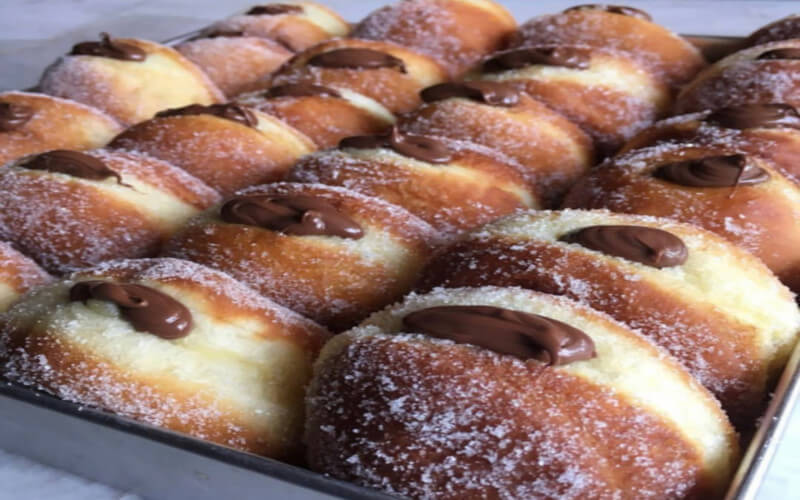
782, 29
172, 344
328, 253
559, 401
18, 274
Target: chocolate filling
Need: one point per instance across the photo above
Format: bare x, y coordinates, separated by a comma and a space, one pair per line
274, 9
492, 93
567, 57
755, 116
357, 58
107, 47
419, 147
233, 112
712, 171
73, 163
646, 245
13, 116
301, 90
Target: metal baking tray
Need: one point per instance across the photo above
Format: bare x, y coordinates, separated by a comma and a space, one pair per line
159, 464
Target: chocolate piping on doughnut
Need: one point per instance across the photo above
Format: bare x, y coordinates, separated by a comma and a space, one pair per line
146, 309
107, 47
294, 215
516, 333
274, 9
646, 245
72, 163
493, 93
567, 57
13, 116
773, 115
357, 58
712, 171
419, 147
233, 112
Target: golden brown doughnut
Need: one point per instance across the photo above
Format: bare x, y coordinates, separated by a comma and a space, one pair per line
34, 123
632, 31
69, 210
456, 33
173, 344
383, 71
130, 79
393, 407
323, 114
227, 146
328, 253
453, 185
295, 25
740, 197
607, 92
553, 149
234, 62
768, 73
657, 276
18, 274
782, 29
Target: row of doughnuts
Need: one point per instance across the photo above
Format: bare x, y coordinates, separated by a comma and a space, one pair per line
387, 410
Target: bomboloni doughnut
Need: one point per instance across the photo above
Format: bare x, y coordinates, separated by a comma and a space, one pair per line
509, 393
782, 29
456, 33
607, 92
328, 253
294, 25
383, 71
34, 123
553, 149
130, 79
452, 185
771, 131
741, 197
632, 31
234, 62
323, 114
228, 146
768, 73
657, 276
18, 274
170, 343
68, 210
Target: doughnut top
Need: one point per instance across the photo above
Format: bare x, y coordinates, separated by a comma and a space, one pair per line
299, 215
567, 57
274, 9
772, 115
647, 245
229, 111
107, 47
145, 308
357, 58
781, 53
419, 147
14, 116
301, 89
505, 331
217, 33
712, 171
492, 93
72, 163
614, 9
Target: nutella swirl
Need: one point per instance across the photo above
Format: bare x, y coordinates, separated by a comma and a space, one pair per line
492, 93
614, 9
296, 215
505, 331
646, 245
107, 47
274, 9
301, 90
419, 147
787, 53
13, 116
712, 171
755, 116
567, 57
229, 111
146, 309
72, 163
357, 58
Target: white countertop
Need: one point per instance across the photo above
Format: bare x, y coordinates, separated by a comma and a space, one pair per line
34, 32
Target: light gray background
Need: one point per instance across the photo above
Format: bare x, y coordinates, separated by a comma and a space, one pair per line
34, 32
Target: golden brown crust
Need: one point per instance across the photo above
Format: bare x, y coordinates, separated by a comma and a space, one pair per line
761, 218
782, 29
553, 149
742, 78
55, 124
668, 55
236, 64
396, 90
456, 33
475, 187
223, 153
332, 280
18, 273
